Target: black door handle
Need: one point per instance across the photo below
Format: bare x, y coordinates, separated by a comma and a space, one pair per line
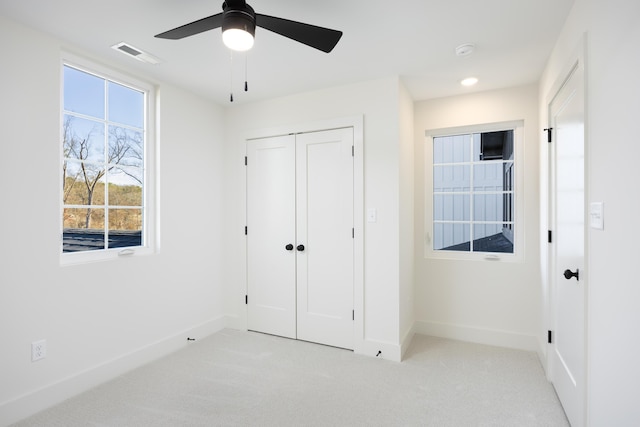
568, 274
289, 247
300, 248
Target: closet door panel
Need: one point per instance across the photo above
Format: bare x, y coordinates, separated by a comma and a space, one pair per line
324, 182
271, 275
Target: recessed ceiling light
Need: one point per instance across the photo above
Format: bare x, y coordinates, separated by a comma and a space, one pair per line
469, 81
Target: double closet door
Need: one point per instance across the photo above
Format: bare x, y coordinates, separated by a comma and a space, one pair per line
300, 269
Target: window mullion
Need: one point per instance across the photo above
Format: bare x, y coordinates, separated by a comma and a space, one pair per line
106, 164
471, 194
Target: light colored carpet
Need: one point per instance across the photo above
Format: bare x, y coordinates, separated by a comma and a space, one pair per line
236, 378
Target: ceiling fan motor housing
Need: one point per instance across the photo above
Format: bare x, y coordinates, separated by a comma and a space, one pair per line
241, 17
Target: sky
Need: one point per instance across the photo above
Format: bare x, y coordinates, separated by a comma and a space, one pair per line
85, 94
99, 100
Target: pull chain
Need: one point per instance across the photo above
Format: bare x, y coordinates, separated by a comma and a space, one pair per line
231, 75
246, 85
246, 67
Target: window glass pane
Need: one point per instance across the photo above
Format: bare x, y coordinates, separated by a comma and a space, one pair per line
487, 207
451, 207
125, 187
490, 238
451, 149
83, 230
460, 148
447, 178
83, 93
83, 183
77, 240
493, 145
126, 105
82, 139
125, 228
125, 219
84, 218
125, 239
125, 147
451, 237
488, 176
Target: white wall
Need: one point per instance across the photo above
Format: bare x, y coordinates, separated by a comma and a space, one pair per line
378, 102
103, 318
492, 302
407, 231
613, 112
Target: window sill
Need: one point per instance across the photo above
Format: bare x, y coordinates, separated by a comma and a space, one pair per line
76, 258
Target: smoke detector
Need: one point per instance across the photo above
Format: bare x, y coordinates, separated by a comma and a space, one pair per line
465, 49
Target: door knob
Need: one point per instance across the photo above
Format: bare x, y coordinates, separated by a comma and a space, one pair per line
568, 274
289, 247
300, 248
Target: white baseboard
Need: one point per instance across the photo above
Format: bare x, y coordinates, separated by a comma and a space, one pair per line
35, 401
478, 335
379, 349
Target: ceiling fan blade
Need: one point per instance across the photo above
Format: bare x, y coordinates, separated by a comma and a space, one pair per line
323, 39
196, 27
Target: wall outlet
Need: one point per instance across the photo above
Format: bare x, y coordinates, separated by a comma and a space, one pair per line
38, 350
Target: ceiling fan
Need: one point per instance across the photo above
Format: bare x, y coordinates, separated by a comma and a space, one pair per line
238, 21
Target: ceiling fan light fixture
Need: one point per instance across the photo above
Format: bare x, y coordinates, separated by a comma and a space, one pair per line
238, 27
237, 39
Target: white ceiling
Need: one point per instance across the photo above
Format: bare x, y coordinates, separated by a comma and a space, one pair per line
413, 39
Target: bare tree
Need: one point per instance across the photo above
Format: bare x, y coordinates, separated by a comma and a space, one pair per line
124, 149
69, 147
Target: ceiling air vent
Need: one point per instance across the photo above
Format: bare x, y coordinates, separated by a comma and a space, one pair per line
136, 53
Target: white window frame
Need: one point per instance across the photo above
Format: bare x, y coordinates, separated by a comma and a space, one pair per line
149, 231
518, 193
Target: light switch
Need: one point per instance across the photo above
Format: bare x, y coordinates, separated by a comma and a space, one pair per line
372, 215
596, 215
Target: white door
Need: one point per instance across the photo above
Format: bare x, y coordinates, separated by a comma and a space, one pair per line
271, 263
299, 241
325, 228
568, 292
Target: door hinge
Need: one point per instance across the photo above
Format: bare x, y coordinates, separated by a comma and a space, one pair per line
353, 315
549, 337
245, 160
352, 151
548, 131
246, 230
353, 233
246, 299
549, 236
